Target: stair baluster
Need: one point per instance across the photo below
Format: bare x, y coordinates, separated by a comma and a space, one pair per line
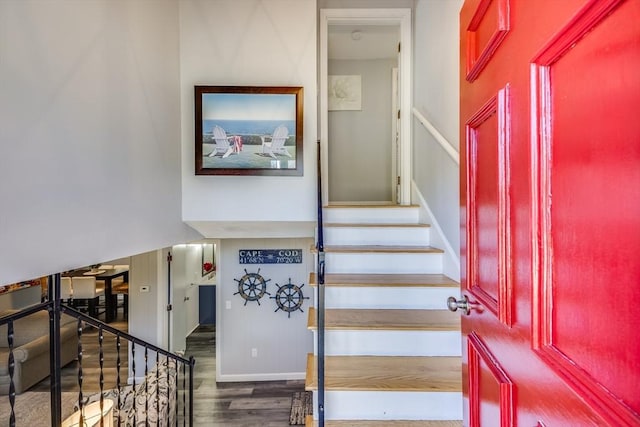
12, 365
118, 383
80, 374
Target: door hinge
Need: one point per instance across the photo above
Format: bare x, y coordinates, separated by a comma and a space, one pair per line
398, 114
398, 47
398, 181
169, 257
169, 307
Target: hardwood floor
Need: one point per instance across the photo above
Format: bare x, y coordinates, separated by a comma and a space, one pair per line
264, 404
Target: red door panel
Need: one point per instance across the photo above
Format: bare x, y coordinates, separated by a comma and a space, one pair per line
490, 382
488, 232
550, 198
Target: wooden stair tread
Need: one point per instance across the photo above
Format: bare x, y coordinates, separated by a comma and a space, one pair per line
379, 249
387, 319
377, 225
350, 205
387, 373
385, 280
309, 422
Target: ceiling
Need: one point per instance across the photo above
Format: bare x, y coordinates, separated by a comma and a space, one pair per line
363, 41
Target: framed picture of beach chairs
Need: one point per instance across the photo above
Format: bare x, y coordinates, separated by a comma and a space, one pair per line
248, 130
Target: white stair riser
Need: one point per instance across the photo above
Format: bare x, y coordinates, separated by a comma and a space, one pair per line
374, 215
388, 297
391, 343
383, 263
392, 405
393, 236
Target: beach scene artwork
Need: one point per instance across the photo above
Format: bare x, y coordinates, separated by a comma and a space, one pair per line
249, 131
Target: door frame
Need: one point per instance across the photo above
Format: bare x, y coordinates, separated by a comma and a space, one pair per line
395, 136
402, 18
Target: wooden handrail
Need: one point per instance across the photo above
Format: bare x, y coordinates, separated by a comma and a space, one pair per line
444, 143
320, 277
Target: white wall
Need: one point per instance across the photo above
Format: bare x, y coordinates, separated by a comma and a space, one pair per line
282, 343
360, 144
89, 133
248, 43
436, 96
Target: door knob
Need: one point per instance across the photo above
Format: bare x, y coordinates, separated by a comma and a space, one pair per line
463, 304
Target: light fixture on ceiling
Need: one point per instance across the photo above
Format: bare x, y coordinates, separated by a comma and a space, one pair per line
356, 35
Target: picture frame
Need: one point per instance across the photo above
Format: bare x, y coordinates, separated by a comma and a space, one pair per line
249, 130
345, 93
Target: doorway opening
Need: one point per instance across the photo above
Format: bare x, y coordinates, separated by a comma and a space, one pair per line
365, 87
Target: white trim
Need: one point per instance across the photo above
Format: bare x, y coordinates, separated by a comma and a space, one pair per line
446, 145
451, 260
139, 380
219, 307
394, 135
401, 17
227, 378
191, 331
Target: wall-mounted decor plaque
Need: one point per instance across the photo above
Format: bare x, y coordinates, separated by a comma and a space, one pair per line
270, 256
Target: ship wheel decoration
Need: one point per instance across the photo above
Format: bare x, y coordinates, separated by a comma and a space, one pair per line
252, 287
289, 298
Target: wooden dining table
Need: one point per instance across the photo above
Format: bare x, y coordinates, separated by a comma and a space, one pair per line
107, 275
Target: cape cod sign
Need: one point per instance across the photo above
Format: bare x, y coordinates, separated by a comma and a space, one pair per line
270, 256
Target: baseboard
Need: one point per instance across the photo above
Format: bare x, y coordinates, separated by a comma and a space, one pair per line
451, 263
193, 330
139, 380
284, 376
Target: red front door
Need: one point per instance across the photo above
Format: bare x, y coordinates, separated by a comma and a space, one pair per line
550, 197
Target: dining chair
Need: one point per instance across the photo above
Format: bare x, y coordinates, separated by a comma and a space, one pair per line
118, 280
89, 290
66, 289
121, 289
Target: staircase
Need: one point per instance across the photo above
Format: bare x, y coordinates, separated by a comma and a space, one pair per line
392, 349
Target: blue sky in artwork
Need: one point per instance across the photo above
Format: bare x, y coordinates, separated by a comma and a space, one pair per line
240, 106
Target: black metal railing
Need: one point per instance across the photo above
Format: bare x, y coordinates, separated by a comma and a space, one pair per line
161, 388
320, 279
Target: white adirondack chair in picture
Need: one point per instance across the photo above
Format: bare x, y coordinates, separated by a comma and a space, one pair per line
224, 143
274, 144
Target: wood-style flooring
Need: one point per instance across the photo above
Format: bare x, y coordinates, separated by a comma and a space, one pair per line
263, 404
254, 404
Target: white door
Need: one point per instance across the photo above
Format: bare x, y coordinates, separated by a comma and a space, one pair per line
177, 292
